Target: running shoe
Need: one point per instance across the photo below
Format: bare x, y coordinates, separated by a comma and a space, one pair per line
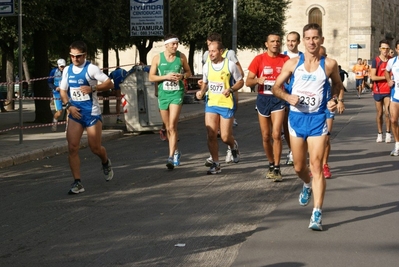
162, 135
326, 171
214, 169
388, 137
305, 195
229, 155
277, 177
235, 152
270, 173
235, 123
315, 221
379, 138
119, 120
282, 136
54, 127
176, 158
169, 163
76, 188
395, 152
290, 160
209, 161
108, 172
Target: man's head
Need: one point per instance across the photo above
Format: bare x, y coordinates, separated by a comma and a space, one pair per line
293, 40
359, 60
61, 63
213, 37
215, 49
323, 51
171, 42
273, 44
384, 48
78, 52
313, 37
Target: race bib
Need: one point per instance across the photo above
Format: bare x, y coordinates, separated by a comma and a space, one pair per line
216, 87
309, 101
359, 73
268, 84
170, 86
77, 95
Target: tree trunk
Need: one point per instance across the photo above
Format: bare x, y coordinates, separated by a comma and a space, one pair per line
118, 62
191, 56
10, 103
143, 50
105, 48
43, 113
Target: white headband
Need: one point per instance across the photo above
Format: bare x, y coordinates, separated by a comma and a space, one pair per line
171, 40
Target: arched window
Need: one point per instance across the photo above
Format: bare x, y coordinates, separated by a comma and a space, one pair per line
315, 16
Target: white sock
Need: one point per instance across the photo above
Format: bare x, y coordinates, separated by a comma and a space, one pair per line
55, 120
397, 145
309, 185
316, 209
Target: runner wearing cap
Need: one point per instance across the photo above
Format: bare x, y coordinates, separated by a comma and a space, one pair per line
53, 83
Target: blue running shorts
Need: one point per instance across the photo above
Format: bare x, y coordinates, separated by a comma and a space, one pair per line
305, 125
267, 104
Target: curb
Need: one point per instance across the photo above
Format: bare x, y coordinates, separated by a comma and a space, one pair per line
52, 150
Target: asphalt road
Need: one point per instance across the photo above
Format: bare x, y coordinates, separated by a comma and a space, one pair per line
149, 216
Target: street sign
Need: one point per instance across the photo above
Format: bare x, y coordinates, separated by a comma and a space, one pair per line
6, 7
354, 46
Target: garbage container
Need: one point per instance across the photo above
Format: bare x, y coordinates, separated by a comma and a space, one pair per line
140, 105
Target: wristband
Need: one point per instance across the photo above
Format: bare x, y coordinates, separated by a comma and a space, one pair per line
231, 90
93, 88
67, 105
341, 100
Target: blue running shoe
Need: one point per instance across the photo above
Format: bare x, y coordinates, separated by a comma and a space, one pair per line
305, 195
169, 163
315, 221
176, 158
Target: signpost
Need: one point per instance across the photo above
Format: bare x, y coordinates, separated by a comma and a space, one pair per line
6, 7
146, 18
355, 46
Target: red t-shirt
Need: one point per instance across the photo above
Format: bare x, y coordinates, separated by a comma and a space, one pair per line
380, 87
264, 65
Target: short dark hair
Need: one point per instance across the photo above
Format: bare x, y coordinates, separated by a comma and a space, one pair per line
169, 36
298, 36
397, 43
272, 33
313, 26
384, 41
214, 37
79, 45
219, 44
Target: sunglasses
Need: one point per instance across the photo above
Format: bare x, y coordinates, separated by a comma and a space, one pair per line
77, 56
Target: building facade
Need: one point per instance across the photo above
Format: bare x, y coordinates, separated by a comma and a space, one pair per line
351, 29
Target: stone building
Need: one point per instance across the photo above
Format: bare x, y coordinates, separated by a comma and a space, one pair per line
351, 28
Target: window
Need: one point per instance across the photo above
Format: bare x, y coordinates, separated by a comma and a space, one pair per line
315, 16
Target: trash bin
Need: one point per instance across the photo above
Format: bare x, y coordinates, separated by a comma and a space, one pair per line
140, 105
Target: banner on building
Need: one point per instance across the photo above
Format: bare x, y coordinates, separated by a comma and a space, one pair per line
146, 18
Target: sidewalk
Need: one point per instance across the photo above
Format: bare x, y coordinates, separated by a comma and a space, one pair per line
41, 142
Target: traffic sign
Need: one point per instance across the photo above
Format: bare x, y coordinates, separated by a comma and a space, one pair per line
354, 46
6, 7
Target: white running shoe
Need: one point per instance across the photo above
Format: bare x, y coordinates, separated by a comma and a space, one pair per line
235, 123
235, 152
395, 152
388, 137
379, 138
209, 162
229, 156
54, 127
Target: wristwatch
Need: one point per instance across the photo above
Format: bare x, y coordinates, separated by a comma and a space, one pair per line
231, 91
93, 88
341, 100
